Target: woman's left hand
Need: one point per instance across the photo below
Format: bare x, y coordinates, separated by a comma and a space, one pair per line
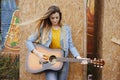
84, 60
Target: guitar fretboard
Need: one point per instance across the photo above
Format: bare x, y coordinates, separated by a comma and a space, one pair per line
72, 60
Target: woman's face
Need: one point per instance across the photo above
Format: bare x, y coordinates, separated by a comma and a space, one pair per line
54, 18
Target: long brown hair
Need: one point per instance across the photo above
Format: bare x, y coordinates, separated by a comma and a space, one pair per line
46, 24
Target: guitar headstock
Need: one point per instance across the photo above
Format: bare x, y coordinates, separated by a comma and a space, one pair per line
98, 63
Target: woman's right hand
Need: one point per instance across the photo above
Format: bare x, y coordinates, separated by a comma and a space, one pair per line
40, 55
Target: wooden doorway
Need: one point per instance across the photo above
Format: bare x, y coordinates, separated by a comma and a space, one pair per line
94, 32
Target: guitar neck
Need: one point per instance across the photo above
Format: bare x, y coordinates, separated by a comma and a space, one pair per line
72, 60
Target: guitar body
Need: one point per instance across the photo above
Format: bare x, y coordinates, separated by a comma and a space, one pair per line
33, 62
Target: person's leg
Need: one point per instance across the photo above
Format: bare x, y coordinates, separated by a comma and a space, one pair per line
63, 73
0, 42
51, 75
4, 30
7, 9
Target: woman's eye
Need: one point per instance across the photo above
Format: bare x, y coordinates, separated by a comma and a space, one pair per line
52, 18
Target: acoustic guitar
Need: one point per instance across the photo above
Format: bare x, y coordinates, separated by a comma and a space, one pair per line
53, 60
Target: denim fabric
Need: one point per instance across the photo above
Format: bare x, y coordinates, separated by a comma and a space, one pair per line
4, 30
58, 75
7, 9
8, 5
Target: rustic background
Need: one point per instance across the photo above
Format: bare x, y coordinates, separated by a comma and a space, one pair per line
107, 17
110, 50
73, 15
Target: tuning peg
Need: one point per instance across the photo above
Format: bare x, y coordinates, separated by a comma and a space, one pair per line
101, 66
98, 66
95, 65
98, 63
101, 60
95, 59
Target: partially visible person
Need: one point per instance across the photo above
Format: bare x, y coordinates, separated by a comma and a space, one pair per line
7, 9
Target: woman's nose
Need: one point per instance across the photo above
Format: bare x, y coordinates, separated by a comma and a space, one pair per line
55, 20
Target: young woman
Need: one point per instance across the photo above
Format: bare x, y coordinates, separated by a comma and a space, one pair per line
53, 34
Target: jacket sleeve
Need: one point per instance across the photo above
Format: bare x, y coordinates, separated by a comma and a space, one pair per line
72, 48
30, 40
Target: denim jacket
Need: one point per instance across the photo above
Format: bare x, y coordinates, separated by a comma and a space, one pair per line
65, 41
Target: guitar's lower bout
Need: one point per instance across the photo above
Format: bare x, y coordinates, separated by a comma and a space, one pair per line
36, 65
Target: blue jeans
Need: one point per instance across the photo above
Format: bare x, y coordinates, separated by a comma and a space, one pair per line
4, 30
58, 75
7, 9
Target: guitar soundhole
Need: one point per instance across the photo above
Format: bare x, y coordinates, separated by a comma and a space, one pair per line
52, 59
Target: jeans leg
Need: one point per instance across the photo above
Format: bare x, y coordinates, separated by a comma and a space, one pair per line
63, 73
4, 30
51, 75
7, 9
0, 41
5, 24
